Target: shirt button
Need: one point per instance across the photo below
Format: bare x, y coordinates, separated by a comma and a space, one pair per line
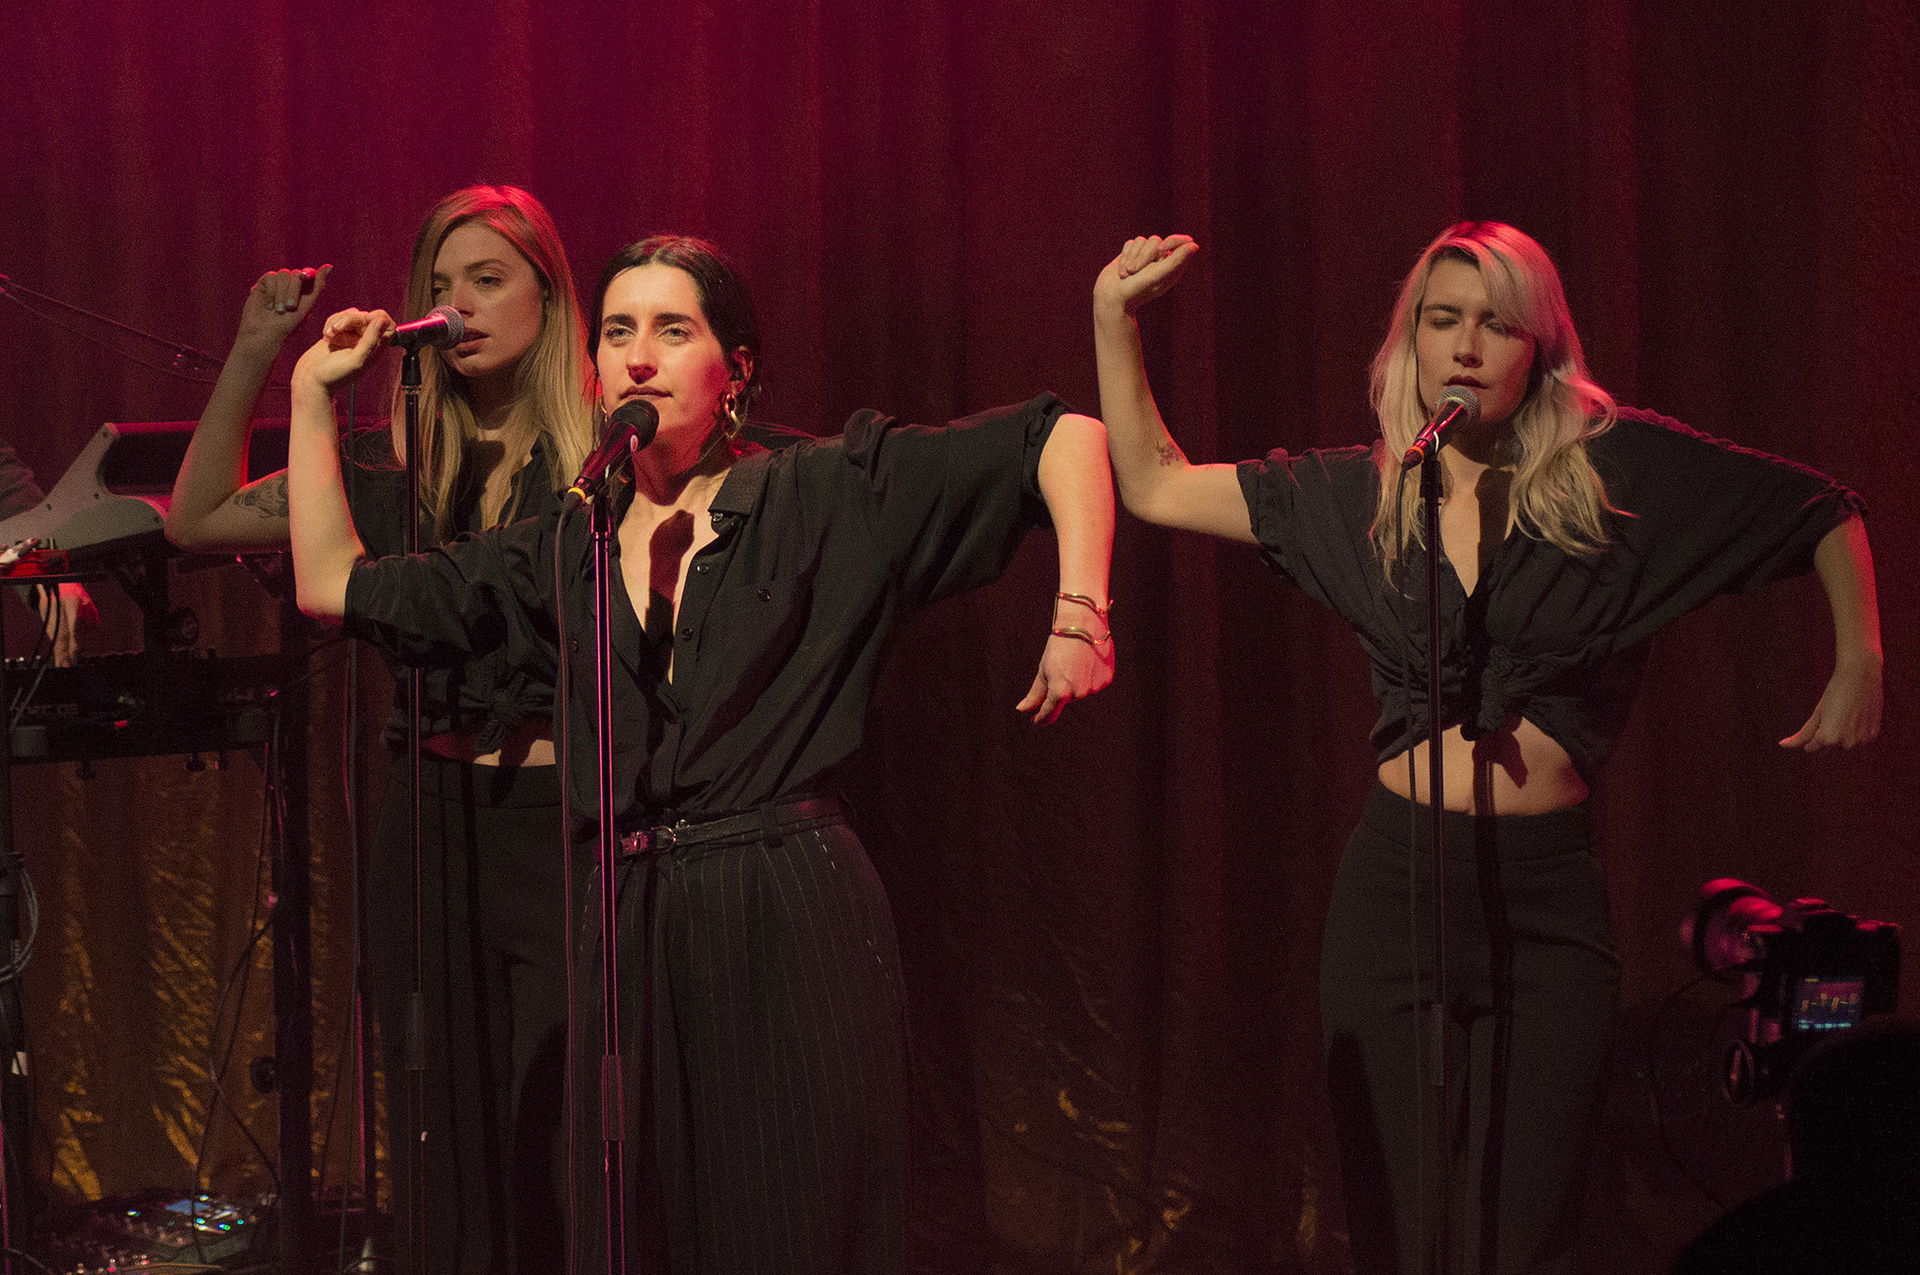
686, 632
700, 568
766, 595
717, 517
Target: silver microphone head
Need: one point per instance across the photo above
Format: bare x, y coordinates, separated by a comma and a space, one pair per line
1458, 406
456, 326
1463, 397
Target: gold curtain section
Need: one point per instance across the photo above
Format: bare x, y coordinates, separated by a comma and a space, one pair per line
152, 968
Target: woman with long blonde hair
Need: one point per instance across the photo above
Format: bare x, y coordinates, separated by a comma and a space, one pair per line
505, 417
1571, 531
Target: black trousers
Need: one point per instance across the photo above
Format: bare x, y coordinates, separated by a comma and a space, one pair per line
765, 1060
494, 1001
1533, 983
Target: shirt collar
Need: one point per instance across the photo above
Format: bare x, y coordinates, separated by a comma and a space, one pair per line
740, 492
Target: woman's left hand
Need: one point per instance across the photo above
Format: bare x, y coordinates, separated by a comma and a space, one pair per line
348, 341
1147, 265
1070, 669
63, 610
1848, 713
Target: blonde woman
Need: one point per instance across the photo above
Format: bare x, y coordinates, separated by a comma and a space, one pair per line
506, 418
1571, 531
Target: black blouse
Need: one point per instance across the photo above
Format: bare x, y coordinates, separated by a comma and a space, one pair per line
489, 693
820, 550
1558, 639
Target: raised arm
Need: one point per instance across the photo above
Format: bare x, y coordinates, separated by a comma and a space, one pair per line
1849, 709
214, 507
1077, 485
325, 544
1156, 481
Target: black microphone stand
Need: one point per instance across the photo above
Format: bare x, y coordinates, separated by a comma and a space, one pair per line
592, 489
1436, 1135
612, 1075
416, 1031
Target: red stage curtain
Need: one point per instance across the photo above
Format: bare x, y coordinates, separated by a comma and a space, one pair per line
1112, 924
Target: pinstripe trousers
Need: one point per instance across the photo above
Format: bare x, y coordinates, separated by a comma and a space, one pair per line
765, 1062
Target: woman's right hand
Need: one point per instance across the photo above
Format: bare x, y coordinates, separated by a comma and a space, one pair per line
1147, 266
277, 303
348, 341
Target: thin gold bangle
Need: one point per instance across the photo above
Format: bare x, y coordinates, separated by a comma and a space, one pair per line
1083, 635
1087, 602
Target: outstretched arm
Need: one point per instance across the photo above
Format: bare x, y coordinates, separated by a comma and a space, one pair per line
325, 544
1078, 488
214, 506
1156, 482
1849, 709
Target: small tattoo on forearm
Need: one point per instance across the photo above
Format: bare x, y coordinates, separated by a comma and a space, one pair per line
1170, 453
270, 497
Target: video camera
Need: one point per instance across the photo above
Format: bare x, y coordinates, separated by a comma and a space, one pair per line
1806, 970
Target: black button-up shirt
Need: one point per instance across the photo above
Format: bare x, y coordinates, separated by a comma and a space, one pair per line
1560, 640
490, 693
820, 550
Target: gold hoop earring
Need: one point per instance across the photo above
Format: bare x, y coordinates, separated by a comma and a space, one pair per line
729, 416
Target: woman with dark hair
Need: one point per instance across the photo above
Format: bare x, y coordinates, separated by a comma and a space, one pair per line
754, 595
505, 415
1571, 531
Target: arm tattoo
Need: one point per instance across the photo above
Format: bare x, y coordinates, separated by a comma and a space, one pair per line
1170, 453
270, 497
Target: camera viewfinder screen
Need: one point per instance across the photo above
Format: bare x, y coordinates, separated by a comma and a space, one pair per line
1827, 1004
207, 1214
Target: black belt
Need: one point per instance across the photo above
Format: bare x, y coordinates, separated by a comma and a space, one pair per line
770, 822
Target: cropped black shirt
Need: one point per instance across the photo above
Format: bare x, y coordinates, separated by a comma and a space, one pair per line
1557, 639
820, 550
490, 693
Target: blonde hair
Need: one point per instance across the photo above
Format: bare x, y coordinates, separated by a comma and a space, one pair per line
553, 392
1556, 492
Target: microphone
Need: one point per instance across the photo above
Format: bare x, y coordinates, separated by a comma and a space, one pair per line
441, 329
630, 428
1459, 407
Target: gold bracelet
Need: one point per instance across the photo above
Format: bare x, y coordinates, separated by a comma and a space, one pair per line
1084, 635
1087, 602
